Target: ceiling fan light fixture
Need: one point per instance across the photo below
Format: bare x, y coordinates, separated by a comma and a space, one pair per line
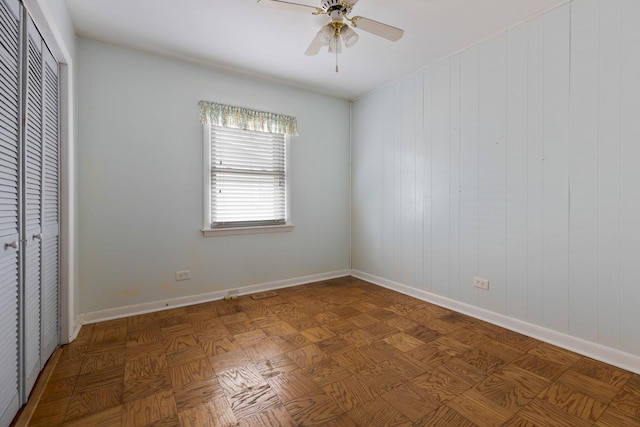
325, 35
335, 46
349, 36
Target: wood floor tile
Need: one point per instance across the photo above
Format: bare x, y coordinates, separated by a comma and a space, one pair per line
614, 418
228, 360
290, 385
144, 386
195, 370
150, 364
197, 393
313, 409
307, 355
573, 402
355, 360
444, 416
276, 416
473, 405
185, 355
555, 354
50, 413
602, 372
94, 400
239, 379
411, 401
110, 418
317, 334
275, 366
403, 324
588, 385
516, 340
340, 352
59, 389
541, 413
442, 384
628, 401
483, 360
539, 366
403, 342
503, 393
262, 350
252, 401
378, 412
216, 413
349, 392
250, 338
101, 378
530, 383
67, 368
149, 410
382, 378
326, 371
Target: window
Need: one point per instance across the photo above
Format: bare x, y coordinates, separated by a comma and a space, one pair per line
245, 170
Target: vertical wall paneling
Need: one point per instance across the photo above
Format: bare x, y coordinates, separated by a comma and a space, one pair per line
440, 186
609, 175
427, 212
419, 174
454, 177
517, 143
388, 189
492, 170
535, 170
630, 176
469, 155
526, 173
405, 215
9, 202
32, 190
584, 170
556, 171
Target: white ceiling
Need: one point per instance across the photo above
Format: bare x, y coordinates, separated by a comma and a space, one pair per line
240, 36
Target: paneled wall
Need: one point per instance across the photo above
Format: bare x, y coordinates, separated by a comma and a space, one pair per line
515, 160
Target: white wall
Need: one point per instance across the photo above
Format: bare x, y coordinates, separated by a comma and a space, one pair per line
515, 160
140, 182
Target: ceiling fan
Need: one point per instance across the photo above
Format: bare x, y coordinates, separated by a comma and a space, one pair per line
337, 31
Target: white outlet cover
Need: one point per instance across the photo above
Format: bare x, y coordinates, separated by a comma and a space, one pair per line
481, 283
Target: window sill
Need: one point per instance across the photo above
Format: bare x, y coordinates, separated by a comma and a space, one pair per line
208, 232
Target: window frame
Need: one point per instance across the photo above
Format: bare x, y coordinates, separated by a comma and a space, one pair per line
207, 230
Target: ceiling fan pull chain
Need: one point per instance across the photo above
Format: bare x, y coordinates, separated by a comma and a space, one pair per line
336, 60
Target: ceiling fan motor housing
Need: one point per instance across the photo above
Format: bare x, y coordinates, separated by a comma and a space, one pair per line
332, 5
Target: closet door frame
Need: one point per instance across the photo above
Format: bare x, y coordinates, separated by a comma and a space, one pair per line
11, 242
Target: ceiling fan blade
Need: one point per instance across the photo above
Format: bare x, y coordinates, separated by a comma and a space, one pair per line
314, 47
296, 7
351, 2
378, 28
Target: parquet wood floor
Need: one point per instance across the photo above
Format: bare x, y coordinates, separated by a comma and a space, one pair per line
336, 353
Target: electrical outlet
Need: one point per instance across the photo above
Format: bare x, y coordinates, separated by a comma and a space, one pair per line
481, 283
183, 275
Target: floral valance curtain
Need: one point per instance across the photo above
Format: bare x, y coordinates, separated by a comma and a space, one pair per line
243, 118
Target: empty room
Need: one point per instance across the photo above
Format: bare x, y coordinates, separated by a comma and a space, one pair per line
320, 213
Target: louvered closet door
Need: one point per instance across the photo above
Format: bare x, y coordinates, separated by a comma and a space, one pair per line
49, 203
9, 202
32, 207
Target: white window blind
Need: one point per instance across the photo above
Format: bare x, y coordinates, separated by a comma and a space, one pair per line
248, 178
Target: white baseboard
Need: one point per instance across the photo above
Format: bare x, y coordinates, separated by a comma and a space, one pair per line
629, 362
149, 307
